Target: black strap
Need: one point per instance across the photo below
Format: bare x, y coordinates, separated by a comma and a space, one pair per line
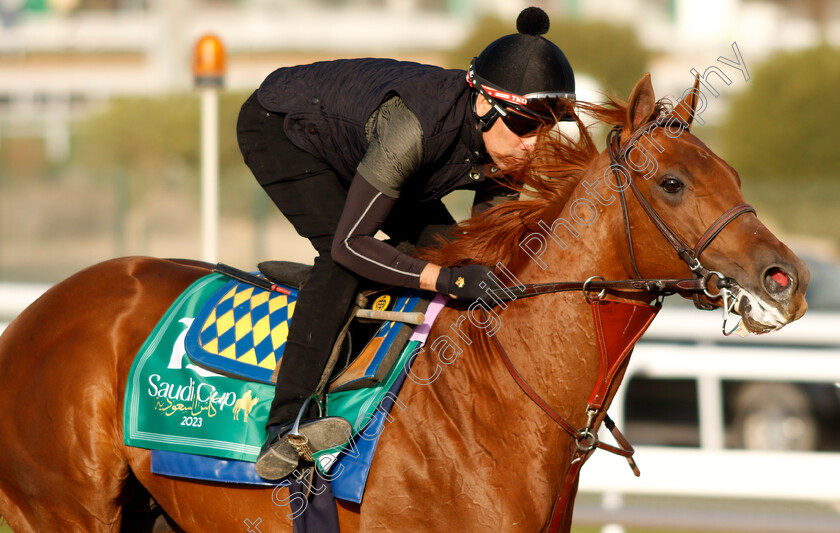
251, 279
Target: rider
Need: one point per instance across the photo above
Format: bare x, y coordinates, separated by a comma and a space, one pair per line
346, 148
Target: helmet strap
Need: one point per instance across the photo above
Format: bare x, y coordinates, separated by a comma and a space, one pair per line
485, 121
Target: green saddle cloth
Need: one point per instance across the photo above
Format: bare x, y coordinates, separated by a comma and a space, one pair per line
174, 405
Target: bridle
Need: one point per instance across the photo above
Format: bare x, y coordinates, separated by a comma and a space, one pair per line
695, 286
691, 256
585, 440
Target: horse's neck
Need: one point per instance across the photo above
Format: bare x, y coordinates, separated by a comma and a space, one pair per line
551, 341
582, 242
552, 338
472, 418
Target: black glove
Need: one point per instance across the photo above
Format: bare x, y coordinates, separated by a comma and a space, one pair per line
462, 282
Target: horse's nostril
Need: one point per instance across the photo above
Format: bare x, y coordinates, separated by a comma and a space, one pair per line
776, 280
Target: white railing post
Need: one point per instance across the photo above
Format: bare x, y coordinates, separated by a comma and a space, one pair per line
210, 175
710, 405
209, 64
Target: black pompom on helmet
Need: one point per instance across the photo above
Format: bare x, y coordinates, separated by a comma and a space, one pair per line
525, 77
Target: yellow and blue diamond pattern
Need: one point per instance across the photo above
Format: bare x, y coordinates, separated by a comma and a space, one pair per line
246, 326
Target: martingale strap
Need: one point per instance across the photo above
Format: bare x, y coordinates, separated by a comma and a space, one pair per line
618, 326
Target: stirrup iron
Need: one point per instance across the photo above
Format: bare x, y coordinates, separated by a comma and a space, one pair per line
299, 441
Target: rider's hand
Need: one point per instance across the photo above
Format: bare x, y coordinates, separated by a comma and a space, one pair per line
462, 282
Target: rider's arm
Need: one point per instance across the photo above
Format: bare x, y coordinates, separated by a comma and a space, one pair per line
395, 153
356, 248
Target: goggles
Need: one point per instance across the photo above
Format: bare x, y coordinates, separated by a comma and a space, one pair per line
523, 115
524, 125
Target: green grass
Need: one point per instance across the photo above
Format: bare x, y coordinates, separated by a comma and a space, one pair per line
4, 527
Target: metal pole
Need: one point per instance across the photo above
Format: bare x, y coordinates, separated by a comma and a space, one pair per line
210, 174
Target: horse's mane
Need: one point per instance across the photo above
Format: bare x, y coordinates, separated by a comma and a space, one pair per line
545, 182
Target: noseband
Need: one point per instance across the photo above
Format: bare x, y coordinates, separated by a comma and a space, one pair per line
586, 440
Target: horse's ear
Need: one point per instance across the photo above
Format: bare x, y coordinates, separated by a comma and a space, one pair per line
684, 110
642, 104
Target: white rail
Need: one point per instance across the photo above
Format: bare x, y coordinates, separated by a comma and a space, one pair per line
710, 470
801, 476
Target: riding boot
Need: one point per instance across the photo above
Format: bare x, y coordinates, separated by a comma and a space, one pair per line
302, 439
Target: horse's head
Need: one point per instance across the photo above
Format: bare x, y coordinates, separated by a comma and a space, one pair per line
693, 191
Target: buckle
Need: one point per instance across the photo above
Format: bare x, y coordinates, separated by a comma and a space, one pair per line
586, 441
586, 284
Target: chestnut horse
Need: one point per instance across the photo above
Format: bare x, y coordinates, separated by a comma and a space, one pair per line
466, 449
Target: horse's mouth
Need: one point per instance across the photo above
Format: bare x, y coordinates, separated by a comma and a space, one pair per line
759, 316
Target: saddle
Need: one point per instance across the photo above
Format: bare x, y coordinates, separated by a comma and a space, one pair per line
241, 332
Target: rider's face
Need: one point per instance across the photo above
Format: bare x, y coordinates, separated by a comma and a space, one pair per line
505, 147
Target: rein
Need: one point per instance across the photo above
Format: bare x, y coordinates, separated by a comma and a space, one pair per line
585, 440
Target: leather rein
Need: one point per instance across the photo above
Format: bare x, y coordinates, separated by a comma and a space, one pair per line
585, 440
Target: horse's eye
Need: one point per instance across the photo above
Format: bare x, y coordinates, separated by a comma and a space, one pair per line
671, 185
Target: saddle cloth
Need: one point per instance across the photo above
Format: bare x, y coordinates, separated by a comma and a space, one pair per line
175, 405
241, 332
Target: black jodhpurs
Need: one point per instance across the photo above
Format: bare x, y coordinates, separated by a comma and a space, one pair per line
312, 195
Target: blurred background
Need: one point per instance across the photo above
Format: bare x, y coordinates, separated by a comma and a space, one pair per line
99, 144
99, 157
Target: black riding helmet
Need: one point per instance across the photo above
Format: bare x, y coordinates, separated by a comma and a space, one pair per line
525, 77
